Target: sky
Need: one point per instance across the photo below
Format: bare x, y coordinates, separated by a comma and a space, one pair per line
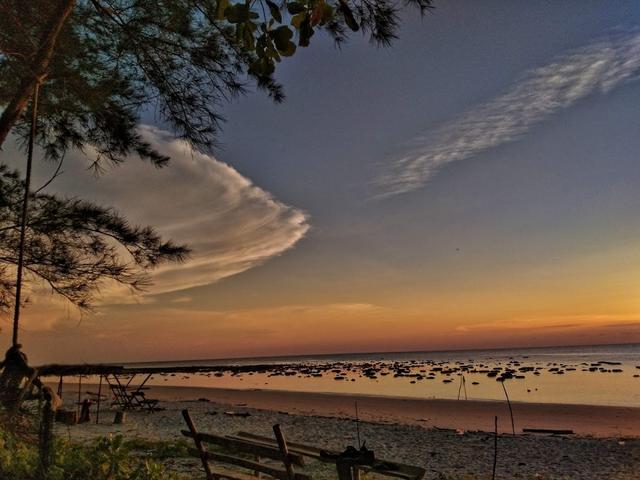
473, 186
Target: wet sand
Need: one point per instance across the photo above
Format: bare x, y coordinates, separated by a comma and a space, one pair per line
473, 415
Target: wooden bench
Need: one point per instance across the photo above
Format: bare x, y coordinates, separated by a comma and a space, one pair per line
282, 461
289, 454
380, 467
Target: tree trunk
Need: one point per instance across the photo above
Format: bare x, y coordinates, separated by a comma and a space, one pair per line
39, 67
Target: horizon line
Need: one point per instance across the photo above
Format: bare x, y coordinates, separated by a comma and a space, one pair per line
329, 354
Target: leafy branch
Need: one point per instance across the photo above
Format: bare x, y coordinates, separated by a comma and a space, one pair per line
74, 245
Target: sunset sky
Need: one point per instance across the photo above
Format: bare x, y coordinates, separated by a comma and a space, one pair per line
476, 185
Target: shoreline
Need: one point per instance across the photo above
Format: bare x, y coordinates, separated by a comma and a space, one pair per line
464, 415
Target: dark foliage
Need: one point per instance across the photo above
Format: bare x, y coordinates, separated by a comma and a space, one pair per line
179, 58
73, 245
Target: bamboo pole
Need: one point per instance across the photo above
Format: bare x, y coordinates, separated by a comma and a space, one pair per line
513, 428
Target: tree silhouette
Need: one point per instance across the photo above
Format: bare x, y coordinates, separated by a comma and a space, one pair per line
73, 245
100, 62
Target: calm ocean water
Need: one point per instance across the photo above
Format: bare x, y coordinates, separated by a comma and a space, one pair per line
595, 375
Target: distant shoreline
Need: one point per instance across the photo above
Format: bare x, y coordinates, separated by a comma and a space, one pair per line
329, 355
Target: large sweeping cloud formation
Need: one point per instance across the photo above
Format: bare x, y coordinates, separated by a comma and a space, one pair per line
230, 224
598, 67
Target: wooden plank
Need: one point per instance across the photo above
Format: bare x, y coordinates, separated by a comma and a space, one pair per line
284, 451
296, 455
200, 448
250, 465
244, 446
292, 445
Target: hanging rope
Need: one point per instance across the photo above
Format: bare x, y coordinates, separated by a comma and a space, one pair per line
25, 211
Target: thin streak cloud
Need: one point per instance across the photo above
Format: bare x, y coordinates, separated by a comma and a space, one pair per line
598, 67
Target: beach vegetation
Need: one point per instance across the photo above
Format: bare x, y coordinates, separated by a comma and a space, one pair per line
107, 458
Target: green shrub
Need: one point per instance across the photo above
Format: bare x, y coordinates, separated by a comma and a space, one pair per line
110, 458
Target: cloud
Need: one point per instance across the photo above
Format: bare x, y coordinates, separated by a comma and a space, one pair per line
562, 322
230, 224
597, 67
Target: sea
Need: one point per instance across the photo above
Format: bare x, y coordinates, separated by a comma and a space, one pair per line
591, 375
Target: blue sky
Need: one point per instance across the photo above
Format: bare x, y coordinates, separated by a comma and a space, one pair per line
538, 233
566, 187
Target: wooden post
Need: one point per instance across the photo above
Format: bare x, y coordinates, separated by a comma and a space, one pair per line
495, 448
99, 395
256, 473
45, 436
85, 411
199, 446
120, 417
282, 445
79, 394
345, 469
464, 386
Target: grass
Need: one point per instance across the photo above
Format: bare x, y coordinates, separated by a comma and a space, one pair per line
109, 458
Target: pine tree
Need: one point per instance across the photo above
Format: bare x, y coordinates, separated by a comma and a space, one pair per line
99, 62
73, 245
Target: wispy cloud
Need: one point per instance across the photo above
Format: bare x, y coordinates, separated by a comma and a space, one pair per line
598, 67
560, 322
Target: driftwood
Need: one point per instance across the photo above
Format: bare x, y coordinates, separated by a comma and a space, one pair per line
548, 430
237, 414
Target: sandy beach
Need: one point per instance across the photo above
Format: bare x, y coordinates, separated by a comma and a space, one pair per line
451, 439
584, 420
